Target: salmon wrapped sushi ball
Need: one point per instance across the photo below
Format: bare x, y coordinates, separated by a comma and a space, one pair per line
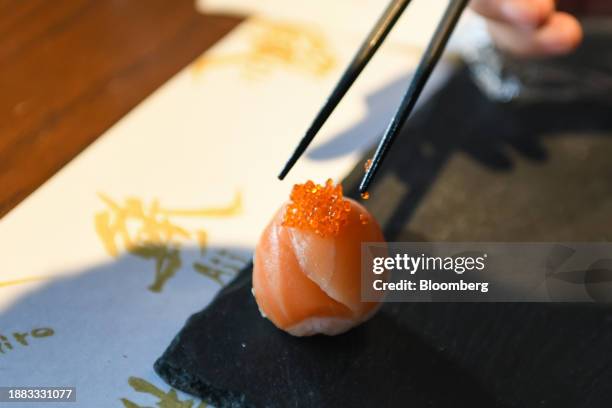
307, 264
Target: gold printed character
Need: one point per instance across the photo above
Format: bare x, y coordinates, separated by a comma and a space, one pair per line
274, 44
150, 233
221, 263
166, 399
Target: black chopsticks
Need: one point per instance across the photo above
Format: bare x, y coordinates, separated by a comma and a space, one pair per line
369, 47
428, 62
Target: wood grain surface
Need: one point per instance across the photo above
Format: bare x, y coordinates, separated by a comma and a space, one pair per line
69, 69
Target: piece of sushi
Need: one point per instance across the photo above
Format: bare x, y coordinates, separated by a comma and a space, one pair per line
307, 264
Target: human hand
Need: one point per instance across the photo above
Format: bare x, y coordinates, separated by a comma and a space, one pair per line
530, 27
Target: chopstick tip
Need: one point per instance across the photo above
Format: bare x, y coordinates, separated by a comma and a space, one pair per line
285, 170
364, 185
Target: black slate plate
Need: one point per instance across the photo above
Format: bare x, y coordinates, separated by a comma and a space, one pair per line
231, 357
464, 169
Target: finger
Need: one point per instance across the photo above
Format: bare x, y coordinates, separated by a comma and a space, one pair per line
559, 35
523, 13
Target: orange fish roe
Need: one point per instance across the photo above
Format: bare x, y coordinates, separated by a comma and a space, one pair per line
365, 195
367, 164
363, 218
317, 208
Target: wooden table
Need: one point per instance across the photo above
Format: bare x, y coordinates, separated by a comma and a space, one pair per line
69, 69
